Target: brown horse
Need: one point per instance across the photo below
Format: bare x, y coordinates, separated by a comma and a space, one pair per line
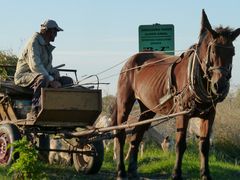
163, 84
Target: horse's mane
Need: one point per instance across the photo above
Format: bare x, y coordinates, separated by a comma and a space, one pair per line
226, 32
221, 31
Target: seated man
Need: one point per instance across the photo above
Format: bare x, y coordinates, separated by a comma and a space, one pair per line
34, 67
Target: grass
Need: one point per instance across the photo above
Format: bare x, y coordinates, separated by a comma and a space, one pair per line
153, 165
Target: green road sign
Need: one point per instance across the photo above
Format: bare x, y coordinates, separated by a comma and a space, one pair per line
156, 37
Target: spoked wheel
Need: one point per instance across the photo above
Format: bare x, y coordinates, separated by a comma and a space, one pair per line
91, 158
8, 134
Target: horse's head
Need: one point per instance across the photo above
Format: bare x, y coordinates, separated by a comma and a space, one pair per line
216, 51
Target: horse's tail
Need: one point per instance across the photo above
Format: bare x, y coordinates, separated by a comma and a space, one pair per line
114, 114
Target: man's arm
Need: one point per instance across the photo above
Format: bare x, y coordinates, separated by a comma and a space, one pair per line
35, 62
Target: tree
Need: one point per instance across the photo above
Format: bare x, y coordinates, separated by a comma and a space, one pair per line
8, 63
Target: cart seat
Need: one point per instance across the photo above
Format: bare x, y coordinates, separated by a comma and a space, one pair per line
9, 88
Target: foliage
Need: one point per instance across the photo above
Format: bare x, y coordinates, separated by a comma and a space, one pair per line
7, 63
27, 166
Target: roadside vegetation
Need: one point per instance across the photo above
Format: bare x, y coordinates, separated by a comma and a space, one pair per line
155, 164
226, 129
7, 60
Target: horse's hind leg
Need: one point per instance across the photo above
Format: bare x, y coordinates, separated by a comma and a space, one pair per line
124, 106
137, 137
181, 125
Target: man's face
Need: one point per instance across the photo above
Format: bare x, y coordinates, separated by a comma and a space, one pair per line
53, 34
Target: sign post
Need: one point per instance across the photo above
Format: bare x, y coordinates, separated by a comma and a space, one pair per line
156, 37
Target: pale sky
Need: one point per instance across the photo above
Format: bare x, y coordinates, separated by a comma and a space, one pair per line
99, 34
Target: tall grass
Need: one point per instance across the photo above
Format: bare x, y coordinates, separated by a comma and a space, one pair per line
227, 128
158, 165
155, 164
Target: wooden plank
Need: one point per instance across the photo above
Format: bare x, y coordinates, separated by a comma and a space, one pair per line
7, 112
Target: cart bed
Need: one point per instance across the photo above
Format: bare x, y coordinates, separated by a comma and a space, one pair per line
69, 107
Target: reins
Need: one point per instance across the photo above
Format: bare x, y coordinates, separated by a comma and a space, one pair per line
130, 69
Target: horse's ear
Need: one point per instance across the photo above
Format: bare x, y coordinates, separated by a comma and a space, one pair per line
206, 25
235, 34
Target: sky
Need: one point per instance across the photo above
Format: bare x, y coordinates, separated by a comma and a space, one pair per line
100, 34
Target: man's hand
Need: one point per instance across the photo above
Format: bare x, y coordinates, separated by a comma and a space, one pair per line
55, 74
55, 84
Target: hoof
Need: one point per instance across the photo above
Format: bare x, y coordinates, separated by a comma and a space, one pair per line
206, 177
134, 176
176, 177
122, 176
205, 174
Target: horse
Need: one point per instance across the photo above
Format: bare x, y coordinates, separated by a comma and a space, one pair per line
162, 84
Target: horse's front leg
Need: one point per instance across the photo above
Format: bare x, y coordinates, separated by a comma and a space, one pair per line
120, 141
136, 139
204, 145
181, 125
133, 155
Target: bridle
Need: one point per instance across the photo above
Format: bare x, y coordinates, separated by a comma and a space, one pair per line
203, 91
209, 69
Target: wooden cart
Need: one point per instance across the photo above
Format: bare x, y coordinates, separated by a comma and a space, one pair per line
68, 113
63, 111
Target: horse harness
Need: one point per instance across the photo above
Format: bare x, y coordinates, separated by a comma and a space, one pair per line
200, 92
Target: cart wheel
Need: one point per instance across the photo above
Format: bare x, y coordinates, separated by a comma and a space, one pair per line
8, 134
89, 162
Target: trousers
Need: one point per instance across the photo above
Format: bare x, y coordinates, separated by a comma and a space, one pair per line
42, 82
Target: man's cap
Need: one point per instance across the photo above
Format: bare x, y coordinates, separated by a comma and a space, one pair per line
50, 24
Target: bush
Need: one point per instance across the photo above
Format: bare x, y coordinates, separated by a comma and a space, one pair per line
27, 166
8, 62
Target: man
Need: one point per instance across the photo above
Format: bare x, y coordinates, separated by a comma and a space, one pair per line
34, 67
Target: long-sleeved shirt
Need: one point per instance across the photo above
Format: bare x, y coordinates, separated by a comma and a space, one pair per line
36, 59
